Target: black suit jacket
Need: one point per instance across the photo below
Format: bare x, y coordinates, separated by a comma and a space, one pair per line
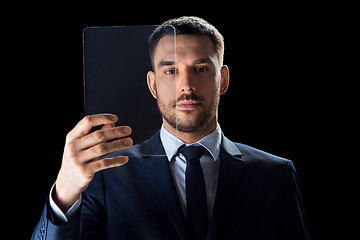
258, 197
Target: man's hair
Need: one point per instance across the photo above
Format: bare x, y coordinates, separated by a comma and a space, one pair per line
187, 26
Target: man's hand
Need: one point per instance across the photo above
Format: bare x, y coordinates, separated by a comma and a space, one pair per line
81, 156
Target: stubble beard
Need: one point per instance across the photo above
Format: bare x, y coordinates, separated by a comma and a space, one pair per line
189, 121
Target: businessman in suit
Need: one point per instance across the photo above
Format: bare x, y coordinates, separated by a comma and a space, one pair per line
186, 182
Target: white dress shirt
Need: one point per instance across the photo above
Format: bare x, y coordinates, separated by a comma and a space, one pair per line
209, 164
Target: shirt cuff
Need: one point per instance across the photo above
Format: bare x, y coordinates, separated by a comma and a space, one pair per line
57, 211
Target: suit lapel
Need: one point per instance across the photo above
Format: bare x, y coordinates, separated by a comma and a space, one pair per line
156, 167
158, 172
231, 165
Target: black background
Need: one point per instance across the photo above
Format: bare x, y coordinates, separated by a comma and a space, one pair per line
283, 76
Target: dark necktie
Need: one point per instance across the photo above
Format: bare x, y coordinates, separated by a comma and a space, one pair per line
196, 203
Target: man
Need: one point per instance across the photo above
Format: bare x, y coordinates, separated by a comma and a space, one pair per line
195, 184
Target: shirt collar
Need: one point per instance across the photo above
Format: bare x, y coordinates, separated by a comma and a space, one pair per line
211, 142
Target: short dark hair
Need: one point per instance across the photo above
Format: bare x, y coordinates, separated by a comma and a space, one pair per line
187, 25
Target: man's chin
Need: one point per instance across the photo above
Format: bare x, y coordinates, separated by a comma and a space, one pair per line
189, 125
188, 121
185, 126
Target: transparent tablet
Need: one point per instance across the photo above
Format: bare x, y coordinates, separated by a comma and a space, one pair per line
119, 76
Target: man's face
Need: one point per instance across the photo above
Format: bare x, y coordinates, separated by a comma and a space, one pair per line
187, 88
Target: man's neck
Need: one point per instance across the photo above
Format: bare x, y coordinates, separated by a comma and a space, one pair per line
193, 136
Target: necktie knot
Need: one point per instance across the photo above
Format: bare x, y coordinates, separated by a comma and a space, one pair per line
192, 152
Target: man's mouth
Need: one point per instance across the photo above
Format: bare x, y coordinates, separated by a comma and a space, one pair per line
187, 105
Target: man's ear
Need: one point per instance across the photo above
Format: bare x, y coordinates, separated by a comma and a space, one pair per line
225, 77
151, 83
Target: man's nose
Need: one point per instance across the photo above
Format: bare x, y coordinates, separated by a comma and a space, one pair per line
185, 80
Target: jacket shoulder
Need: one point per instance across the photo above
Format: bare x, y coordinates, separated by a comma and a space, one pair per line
252, 155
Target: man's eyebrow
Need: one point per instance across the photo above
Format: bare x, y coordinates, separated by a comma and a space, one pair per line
203, 60
165, 63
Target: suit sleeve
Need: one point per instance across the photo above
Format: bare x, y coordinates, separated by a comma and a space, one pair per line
50, 228
88, 223
293, 222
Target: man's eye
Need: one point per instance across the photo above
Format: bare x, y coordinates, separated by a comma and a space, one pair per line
201, 69
170, 71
